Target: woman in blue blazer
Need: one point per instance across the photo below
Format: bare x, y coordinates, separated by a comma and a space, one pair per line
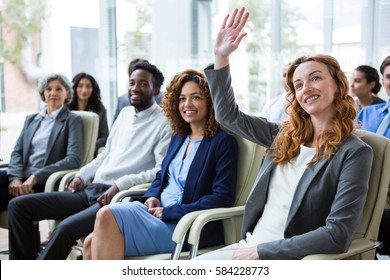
310, 192
50, 141
199, 172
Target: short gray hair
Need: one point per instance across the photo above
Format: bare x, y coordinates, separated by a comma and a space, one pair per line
46, 79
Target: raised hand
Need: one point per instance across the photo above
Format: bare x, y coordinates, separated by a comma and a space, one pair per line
229, 36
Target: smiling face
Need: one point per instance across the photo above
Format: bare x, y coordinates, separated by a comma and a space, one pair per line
55, 95
360, 86
141, 91
84, 89
315, 89
193, 104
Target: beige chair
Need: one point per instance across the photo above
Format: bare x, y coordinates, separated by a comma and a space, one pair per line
90, 133
365, 241
250, 157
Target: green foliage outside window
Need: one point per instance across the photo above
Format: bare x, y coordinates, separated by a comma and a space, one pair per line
23, 19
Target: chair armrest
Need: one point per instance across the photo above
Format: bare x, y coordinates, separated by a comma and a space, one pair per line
51, 183
208, 216
66, 180
141, 187
358, 246
136, 190
212, 215
181, 230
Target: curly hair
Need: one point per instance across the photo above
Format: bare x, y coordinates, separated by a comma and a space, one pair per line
46, 79
133, 63
170, 103
94, 103
299, 129
158, 77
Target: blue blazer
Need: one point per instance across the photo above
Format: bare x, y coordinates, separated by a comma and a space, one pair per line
64, 149
211, 181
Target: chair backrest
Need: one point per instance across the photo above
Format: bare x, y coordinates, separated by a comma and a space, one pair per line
250, 157
378, 185
90, 134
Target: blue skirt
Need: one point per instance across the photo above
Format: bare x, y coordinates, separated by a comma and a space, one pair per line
143, 233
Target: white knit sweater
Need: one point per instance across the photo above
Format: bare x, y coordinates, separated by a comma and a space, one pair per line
134, 151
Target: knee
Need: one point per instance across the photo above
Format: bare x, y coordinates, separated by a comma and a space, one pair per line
15, 205
104, 216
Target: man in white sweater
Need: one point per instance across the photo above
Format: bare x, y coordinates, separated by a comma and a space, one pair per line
135, 148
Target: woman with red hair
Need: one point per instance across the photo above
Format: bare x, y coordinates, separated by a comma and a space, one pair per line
309, 195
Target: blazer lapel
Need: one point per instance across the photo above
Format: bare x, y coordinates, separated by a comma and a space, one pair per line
57, 127
176, 143
32, 128
303, 184
195, 169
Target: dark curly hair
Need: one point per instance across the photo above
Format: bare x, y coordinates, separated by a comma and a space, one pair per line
94, 103
170, 103
134, 62
158, 77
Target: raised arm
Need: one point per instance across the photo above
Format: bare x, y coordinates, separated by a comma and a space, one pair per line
229, 37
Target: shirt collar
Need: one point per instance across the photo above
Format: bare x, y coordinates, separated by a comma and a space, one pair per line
145, 113
53, 114
386, 106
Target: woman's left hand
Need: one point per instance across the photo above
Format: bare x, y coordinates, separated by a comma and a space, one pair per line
156, 211
246, 254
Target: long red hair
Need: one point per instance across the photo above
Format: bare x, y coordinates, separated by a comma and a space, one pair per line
299, 129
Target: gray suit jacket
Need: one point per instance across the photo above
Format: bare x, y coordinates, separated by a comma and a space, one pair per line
328, 202
64, 149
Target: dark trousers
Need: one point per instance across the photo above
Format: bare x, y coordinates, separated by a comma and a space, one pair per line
76, 210
5, 197
384, 233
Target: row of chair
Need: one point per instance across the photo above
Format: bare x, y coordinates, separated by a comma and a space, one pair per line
250, 158
363, 245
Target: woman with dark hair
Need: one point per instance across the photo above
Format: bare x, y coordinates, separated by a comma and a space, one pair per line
365, 86
87, 98
310, 192
50, 141
199, 172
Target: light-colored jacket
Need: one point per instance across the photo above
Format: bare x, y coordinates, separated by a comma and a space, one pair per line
329, 199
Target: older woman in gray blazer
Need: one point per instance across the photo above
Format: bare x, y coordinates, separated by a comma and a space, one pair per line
309, 195
51, 140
